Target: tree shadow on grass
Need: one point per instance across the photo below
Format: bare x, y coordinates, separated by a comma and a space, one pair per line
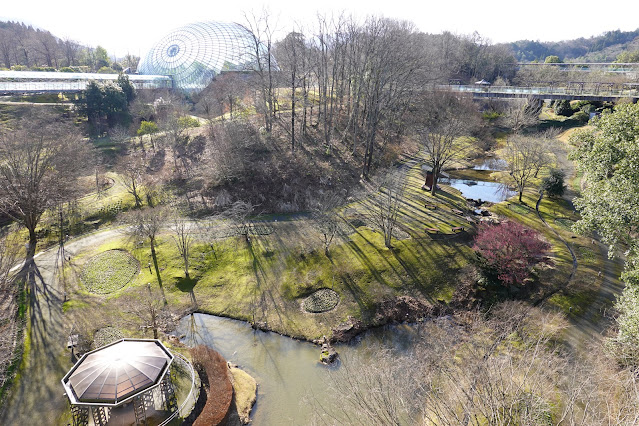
186, 285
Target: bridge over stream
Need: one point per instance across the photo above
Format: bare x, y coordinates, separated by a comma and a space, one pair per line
569, 91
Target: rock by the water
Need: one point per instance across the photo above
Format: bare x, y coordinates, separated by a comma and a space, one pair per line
328, 355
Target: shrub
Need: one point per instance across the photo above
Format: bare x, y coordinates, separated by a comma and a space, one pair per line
581, 116
45, 69
107, 70
491, 115
214, 373
553, 184
187, 121
562, 107
507, 252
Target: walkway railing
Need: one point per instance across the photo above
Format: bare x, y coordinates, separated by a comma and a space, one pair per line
194, 393
580, 91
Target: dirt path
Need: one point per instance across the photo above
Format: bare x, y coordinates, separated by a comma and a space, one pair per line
588, 328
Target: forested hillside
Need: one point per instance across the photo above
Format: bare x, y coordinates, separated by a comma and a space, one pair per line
601, 48
24, 47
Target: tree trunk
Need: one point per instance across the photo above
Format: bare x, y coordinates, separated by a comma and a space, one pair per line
157, 268
33, 241
387, 238
433, 188
136, 195
186, 264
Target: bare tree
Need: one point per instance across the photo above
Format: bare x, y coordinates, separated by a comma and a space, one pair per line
291, 53
9, 249
183, 239
148, 307
521, 113
71, 51
239, 214
391, 65
47, 47
323, 208
40, 162
147, 224
387, 198
526, 156
132, 170
373, 393
477, 369
225, 94
444, 127
262, 27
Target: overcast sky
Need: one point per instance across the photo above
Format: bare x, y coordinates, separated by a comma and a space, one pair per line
123, 26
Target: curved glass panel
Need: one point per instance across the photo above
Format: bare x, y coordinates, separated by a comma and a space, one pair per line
192, 55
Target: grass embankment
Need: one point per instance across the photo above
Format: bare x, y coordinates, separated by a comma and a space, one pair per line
265, 282
244, 393
574, 299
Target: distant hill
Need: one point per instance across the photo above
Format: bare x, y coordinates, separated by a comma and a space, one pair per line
601, 48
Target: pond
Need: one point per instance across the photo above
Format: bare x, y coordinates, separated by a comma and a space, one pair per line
287, 371
492, 163
480, 190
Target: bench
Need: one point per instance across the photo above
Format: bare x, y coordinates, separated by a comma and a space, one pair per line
457, 229
458, 212
430, 206
432, 230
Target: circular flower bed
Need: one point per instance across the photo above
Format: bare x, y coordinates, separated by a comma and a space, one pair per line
322, 300
109, 271
106, 335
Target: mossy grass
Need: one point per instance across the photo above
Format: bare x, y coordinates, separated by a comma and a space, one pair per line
245, 392
266, 281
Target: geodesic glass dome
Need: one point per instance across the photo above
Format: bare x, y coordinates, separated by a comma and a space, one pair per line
192, 55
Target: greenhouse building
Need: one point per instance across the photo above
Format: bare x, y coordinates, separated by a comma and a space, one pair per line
194, 54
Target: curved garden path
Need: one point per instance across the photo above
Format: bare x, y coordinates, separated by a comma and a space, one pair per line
589, 327
37, 396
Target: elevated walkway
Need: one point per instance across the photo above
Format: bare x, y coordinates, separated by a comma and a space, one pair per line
30, 82
571, 91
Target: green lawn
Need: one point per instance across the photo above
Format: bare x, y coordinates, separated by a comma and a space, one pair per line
267, 281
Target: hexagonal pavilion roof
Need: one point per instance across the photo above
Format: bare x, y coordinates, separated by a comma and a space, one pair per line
115, 373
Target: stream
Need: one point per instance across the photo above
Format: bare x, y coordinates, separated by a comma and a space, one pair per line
480, 190
288, 371
484, 190
292, 382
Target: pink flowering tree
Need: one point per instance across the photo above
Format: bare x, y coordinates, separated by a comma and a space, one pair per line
509, 251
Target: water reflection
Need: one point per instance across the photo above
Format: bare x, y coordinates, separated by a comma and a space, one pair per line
496, 164
481, 190
288, 371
